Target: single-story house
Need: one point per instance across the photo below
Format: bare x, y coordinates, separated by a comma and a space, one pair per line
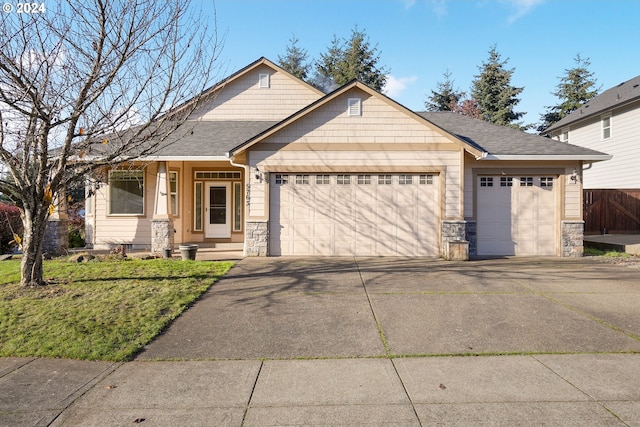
284, 169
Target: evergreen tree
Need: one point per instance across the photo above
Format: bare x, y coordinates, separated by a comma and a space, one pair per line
295, 60
494, 93
576, 88
446, 98
350, 59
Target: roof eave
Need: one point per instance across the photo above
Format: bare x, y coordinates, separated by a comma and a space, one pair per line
537, 157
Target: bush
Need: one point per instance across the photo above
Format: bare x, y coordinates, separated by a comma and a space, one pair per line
10, 223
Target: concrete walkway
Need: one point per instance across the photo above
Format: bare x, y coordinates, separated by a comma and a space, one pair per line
381, 341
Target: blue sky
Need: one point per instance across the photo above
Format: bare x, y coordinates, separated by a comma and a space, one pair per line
419, 40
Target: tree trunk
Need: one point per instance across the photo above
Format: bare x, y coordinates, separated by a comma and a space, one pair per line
35, 224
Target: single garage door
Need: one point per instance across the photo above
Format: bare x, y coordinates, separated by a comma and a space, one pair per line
516, 215
353, 214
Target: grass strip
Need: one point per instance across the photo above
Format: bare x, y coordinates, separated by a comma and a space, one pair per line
97, 310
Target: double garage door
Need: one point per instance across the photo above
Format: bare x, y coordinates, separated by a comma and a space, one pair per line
353, 214
516, 215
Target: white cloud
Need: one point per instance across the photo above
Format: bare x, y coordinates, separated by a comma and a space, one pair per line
439, 7
396, 85
521, 8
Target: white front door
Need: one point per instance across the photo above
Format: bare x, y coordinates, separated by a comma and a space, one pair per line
217, 209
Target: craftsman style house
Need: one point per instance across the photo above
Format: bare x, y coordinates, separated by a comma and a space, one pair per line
277, 166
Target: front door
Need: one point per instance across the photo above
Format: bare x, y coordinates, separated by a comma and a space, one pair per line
217, 209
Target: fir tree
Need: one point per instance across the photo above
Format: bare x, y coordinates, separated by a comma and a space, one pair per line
350, 59
576, 87
295, 60
495, 95
446, 98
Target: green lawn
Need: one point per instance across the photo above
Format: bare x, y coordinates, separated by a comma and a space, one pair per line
97, 310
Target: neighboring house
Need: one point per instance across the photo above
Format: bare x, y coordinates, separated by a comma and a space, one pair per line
610, 122
287, 170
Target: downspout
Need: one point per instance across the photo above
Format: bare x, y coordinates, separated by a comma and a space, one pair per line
247, 177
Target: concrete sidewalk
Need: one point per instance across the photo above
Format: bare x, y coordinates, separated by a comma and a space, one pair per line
379, 341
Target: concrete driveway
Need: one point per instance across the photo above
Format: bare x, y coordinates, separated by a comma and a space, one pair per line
283, 308
367, 342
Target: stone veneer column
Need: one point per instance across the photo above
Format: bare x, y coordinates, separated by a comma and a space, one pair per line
256, 240
161, 234
453, 231
572, 238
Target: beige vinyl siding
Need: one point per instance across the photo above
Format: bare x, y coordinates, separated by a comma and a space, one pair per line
244, 99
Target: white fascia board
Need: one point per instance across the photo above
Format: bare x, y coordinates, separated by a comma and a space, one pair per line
183, 158
586, 158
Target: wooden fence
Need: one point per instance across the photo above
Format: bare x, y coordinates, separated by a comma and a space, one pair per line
612, 211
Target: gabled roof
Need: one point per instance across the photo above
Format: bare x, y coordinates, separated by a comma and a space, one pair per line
615, 97
504, 143
333, 95
207, 93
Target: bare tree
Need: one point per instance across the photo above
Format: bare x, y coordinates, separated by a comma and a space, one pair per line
125, 74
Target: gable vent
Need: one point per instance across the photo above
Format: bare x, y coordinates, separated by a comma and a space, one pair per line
354, 106
263, 80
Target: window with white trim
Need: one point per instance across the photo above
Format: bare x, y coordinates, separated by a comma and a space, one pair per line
354, 106
606, 126
282, 179
564, 136
173, 192
384, 179
126, 192
322, 179
486, 181
237, 206
197, 209
263, 80
343, 179
364, 179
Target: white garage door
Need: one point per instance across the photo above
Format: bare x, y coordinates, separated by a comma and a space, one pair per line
351, 214
516, 215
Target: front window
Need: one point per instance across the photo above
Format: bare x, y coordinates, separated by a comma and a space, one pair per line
126, 192
564, 136
173, 190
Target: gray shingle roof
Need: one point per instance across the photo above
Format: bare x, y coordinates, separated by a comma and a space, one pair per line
503, 141
210, 138
618, 95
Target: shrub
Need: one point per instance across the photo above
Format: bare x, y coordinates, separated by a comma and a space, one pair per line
10, 223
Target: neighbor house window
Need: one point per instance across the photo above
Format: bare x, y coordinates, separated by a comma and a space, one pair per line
354, 106
126, 192
173, 190
606, 127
